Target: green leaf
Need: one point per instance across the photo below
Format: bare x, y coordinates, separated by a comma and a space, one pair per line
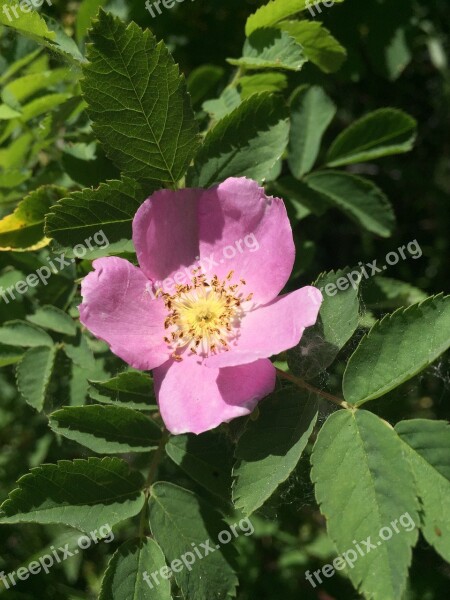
23, 87
24, 228
385, 292
338, 320
275, 11
132, 389
271, 447
246, 143
32, 25
179, 520
106, 429
303, 199
21, 333
218, 108
84, 494
270, 49
319, 46
262, 82
146, 125
33, 374
86, 12
358, 198
124, 579
109, 208
396, 348
9, 355
7, 113
311, 113
428, 444
363, 485
380, 133
53, 318
80, 352
202, 82
207, 458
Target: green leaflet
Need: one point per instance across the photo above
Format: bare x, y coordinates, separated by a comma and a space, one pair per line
146, 125
363, 484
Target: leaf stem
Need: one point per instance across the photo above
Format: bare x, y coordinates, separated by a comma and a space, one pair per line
307, 386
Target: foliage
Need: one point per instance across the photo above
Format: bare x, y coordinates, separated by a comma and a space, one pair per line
329, 110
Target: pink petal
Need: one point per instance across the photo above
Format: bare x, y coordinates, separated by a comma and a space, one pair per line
165, 232
118, 309
242, 229
271, 329
193, 398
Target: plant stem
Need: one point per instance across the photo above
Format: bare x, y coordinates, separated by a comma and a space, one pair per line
303, 384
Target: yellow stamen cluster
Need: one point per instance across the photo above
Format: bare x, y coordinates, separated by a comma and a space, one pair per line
203, 315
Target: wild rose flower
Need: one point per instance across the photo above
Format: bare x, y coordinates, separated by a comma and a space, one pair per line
202, 310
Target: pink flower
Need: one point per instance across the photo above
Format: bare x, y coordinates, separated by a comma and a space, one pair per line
202, 310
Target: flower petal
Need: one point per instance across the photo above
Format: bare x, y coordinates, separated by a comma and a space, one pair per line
193, 398
118, 309
244, 230
165, 232
271, 329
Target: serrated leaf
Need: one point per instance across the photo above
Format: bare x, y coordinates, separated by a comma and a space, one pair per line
319, 46
246, 143
9, 355
397, 348
207, 458
270, 48
32, 25
24, 228
21, 333
380, 133
33, 374
428, 444
360, 199
124, 579
106, 429
364, 483
109, 208
131, 389
138, 102
274, 11
84, 494
338, 320
311, 113
271, 447
179, 520
53, 318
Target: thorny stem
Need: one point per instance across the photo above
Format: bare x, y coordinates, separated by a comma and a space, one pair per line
303, 384
150, 477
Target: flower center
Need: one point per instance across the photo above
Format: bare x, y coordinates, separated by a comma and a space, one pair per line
203, 315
